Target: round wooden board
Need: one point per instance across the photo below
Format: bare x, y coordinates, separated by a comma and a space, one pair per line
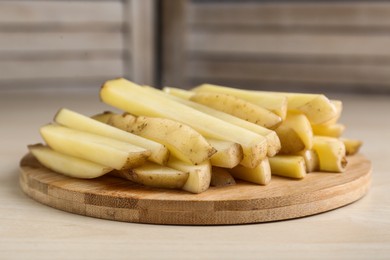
113, 198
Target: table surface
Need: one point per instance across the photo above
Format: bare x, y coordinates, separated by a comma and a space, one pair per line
30, 230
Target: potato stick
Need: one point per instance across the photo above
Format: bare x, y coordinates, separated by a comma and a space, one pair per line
138, 100
339, 108
273, 141
103, 117
228, 154
181, 93
181, 140
199, 177
331, 153
66, 164
261, 174
352, 146
275, 103
316, 107
311, 160
239, 108
95, 148
154, 175
294, 132
332, 130
74, 120
220, 177
288, 166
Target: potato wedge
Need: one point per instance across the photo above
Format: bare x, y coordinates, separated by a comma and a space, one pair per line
220, 177
261, 174
154, 175
228, 154
288, 166
95, 148
274, 103
331, 154
74, 120
295, 133
332, 130
199, 175
67, 165
139, 100
352, 146
239, 108
182, 141
273, 142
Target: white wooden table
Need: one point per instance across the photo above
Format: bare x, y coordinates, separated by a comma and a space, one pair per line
30, 230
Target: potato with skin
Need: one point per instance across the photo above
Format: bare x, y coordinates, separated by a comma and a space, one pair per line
288, 166
103, 117
311, 160
295, 133
352, 146
138, 100
290, 141
274, 103
154, 175
67, 165
199, 177
338, 104
178, 92
316, 107
261, 174
95, 148
221, 177
239, 108
181, 140
332, 130
273, 142
74, 120
228, 154
331, 154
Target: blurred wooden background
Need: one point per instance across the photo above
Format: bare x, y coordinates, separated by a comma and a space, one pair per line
60, 43
318, 46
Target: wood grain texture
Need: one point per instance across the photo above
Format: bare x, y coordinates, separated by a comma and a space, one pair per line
117, 199
59, 44
352, 31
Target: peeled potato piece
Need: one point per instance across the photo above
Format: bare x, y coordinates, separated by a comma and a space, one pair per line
67, 165
288, 166
261, 174
95, 148
154, 175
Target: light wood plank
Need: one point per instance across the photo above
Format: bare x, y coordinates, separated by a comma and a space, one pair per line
50, 41
174, 15
60, 11
329, 73
352, 13
61, 69
286, 43
143, 39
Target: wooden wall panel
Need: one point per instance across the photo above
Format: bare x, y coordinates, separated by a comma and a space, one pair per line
317, 45
294, 13
61, 43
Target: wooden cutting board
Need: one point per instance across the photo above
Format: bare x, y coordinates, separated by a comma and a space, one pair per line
113, 198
